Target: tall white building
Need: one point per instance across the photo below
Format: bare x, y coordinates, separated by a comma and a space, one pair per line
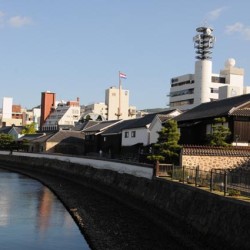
190, 90
7, 108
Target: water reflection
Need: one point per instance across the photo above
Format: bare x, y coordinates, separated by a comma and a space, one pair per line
31, 217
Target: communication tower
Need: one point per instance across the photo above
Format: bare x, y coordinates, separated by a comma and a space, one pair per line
204, 42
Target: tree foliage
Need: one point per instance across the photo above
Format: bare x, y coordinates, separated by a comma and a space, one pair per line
167, 148
6, 141
220, 133
29, 129
99, 118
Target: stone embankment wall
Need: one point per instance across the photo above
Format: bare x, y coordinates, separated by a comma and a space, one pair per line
215, 157
219, 220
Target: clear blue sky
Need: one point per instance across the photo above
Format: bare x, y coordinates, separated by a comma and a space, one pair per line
75, 48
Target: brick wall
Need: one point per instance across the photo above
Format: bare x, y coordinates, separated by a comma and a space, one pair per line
215, 157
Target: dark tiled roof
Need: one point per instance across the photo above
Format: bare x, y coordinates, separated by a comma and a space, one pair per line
100, 126
80, 126
5, 130
213, 109
218, 151
31, 137
66, 136
45, 137
164, 118
146, 120
117, 128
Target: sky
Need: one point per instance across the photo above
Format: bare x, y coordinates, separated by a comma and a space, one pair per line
75, 48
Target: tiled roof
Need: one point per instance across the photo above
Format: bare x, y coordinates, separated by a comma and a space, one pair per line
164, 118
31, 137
44, 138
117, 128
66, 136
218, 151
100, 126
80, 126
146, 120
241, 112
5, 130
213, 109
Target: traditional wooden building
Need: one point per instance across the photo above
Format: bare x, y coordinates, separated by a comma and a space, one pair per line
196, 124
92, 135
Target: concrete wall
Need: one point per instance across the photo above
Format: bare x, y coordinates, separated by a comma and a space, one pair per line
222, 221
139, 170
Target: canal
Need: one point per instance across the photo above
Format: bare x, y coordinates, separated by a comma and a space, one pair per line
31, 217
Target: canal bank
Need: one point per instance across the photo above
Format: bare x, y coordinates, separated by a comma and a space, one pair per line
102, 203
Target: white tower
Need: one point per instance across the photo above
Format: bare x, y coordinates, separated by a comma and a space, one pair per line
203, 42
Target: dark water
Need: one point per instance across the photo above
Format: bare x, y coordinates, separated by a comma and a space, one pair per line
31, 217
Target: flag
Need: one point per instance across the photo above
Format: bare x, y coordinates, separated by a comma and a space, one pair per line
122, 75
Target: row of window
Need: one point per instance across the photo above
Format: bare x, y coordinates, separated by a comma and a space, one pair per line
182, 83
182, 92
133, 134
182, 103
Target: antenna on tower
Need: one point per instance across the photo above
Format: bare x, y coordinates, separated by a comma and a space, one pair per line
204, 41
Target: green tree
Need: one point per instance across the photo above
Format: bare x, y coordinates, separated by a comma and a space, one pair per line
220, 133
29, 129
88, 118
99, 118
167, 148
6, 141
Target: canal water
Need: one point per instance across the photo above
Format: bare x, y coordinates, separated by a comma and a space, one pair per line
31, 217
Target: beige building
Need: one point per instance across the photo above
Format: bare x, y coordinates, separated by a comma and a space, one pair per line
117, 101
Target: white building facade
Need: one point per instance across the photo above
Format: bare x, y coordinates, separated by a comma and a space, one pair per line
65, 114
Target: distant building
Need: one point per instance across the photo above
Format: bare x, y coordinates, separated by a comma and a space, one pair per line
116, 106
190, 90
63, 116
48, 101
96, 111
117, 101
7, 108
13, 114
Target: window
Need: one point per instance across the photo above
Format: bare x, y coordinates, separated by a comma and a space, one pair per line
133, 133
214, 90
181, 103
182, 92
175, 84
126, 134
218, 79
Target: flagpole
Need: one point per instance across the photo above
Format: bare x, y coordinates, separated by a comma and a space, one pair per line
120, 86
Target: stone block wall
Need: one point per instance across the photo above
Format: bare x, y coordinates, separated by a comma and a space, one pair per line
208, 158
